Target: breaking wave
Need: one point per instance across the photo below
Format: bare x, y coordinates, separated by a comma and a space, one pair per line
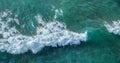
47, 34
114, 27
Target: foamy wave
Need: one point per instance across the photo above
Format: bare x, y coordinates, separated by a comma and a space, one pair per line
114, 27
48, 34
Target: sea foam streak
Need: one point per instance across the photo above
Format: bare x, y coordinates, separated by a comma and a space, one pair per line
114, 27
48, 34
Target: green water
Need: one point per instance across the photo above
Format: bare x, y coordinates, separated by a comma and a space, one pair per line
78, 15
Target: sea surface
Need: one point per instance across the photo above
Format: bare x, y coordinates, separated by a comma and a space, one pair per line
59, 31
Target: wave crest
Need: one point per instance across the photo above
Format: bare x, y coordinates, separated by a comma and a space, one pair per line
114, 27
48, 34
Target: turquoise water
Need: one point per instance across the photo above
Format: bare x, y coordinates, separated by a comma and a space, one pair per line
79, 16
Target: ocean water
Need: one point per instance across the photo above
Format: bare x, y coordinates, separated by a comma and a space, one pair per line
59, 31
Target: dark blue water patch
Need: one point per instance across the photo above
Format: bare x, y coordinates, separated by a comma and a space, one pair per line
5, 57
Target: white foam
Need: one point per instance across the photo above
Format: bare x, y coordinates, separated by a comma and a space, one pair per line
58, 12
49, 34
114, 27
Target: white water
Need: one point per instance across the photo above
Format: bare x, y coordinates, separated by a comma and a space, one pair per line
114, 27
48, 34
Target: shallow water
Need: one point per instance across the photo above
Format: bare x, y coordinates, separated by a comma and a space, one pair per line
79, 16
